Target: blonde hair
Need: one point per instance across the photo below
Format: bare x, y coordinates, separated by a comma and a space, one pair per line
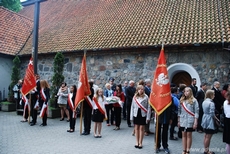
189, 98
97, 94
44, 84
107, 84
138, 88
209, 94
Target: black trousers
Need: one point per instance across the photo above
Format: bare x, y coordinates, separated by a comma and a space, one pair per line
124, 110
199, 127
117, 112
162, 135
34, 112
128, 107
109, 108
44, 119
87, 119
72, 120
173, 125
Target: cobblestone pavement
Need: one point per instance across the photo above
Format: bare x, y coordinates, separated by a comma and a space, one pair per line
20, 138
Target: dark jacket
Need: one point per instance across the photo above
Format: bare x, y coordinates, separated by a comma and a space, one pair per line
130, 91
167, 114
86, 104
218, 100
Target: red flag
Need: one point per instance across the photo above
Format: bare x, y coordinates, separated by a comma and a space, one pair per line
29, 82
83, 88
160, 97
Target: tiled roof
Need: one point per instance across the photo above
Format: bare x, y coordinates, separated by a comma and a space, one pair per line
15, 29
103, 24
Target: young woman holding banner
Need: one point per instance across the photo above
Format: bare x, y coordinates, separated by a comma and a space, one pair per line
71, 108
188, 113
140, 114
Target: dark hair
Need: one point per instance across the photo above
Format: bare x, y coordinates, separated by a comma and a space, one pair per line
173, 89
90, 84
193, 79
225, 87
74, 88
63, 83
203, 84
120, 87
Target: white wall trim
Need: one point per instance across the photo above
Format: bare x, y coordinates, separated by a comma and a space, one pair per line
179, 67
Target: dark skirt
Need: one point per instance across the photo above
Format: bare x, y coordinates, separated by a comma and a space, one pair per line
97, 116
139, 120
226, 133
183, 129
209, 131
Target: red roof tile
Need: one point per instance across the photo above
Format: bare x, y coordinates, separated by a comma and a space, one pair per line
14, 31
87, 24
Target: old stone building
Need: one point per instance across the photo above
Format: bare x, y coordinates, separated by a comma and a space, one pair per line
123, 39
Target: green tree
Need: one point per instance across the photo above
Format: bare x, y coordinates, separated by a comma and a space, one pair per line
15, 76
58, 77
14, 5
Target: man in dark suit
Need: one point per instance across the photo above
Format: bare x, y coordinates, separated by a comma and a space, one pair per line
35, 96
200, 98
87, 111
130, 91
193, 87
218, 99
147, 92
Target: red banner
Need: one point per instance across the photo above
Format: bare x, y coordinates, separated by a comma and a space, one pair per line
160, 97
83, 88
29, 82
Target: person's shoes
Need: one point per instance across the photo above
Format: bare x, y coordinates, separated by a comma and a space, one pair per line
116, 128
140, 147
70, 131
146, 134
32, 124
85, 133
61, 119
108, 124
166, 150
136, 146
99, 136
157, 150
95, 136
67, 120
173, 138
24, 120
43, 125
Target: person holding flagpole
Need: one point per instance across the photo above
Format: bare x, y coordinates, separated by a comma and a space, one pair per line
188, 113
71, 108
99, 112
45, 95
140, 114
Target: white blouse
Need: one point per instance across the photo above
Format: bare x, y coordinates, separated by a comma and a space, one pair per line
226, 109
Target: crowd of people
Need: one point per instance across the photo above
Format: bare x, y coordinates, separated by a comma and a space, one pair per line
205, 110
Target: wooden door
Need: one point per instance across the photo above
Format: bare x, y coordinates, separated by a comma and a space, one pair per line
182, 77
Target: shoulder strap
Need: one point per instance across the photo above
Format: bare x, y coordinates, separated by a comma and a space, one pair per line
140, 105
187, 110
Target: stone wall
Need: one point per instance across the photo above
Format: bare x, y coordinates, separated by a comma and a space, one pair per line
210, 63
6, 64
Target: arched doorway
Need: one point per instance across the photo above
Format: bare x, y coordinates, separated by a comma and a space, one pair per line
181, 77
179, 72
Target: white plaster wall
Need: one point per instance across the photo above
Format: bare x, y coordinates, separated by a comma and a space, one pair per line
5, 75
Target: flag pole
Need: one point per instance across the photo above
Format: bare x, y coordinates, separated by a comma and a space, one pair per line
156, 139
29, 110
81, 118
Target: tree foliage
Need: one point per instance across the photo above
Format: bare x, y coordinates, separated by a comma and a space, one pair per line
15, 76
58, 77
13, 5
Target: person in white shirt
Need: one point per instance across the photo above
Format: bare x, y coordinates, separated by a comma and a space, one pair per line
226, 133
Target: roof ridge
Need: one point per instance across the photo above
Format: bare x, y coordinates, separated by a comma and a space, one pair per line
16, 13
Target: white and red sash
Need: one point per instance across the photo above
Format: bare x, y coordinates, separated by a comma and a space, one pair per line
43, 95
70, 102
140, 105
100, 108
36, 106
187, 110
44, 110
26, 106
89, 101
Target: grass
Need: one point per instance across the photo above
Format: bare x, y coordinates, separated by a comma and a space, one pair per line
6, 103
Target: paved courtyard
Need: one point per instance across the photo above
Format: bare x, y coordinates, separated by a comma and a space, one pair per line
20, 138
